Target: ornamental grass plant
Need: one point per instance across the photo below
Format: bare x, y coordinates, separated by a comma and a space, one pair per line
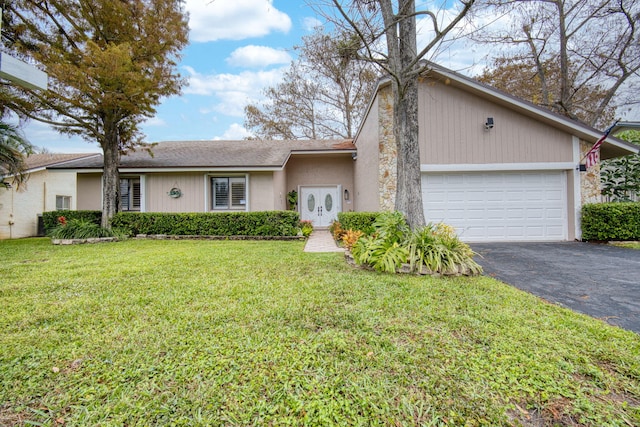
435, 247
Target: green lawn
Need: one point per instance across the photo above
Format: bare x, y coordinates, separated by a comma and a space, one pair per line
631, 245
260, 333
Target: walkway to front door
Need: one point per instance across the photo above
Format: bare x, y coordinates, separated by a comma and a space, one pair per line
319, 205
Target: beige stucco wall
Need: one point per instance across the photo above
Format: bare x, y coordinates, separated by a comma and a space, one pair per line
366, 177
452, 131
279, 190
89, 191
38, 195
319, 170
261, 191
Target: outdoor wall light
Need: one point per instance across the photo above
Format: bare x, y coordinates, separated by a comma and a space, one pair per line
346, 194
489, 123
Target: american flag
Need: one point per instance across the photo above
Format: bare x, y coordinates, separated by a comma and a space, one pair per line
593, 155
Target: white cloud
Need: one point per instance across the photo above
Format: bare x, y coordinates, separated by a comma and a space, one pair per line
232, 91
154, 122
309, 23
234, 19
257, 56
233, 133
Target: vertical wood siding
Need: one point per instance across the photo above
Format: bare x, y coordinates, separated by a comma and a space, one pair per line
190, 184
452, 131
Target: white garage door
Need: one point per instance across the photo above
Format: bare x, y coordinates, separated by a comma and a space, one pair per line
499, 206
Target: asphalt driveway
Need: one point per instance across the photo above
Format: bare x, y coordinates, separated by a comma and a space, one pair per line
602, 281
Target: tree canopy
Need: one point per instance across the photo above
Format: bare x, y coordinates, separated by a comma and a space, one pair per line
323, 94
13, 150
579, 58
109, 63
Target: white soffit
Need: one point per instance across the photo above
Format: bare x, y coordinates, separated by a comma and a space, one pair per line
22, 73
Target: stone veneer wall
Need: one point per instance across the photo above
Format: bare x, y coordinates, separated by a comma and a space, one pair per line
590, 188
388, 152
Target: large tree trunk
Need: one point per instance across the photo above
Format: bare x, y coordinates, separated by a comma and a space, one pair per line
110, 176
409, 190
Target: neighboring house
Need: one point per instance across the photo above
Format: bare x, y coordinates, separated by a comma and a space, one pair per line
495, 167
222, 176
45, 190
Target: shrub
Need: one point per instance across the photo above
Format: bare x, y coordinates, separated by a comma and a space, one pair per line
392, 244
306, 227
50, 219
264, 223
350, 238
362, 221
79, 229
336, 230
611, 221
385, 248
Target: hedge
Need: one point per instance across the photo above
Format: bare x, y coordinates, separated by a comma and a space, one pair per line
362, 221
611, 221
263, 223
50, 219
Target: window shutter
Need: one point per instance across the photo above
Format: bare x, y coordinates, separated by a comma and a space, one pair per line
238, 193
124, 194
220, 193
136, 194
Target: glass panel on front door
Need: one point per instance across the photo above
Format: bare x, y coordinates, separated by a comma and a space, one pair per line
311, 202
328, 202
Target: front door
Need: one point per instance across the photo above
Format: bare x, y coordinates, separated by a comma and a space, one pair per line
319, 205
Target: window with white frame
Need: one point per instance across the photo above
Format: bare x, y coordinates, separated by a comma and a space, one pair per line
228, 193
130, 194
63, 203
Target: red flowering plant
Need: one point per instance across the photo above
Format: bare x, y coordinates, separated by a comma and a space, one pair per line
62, 220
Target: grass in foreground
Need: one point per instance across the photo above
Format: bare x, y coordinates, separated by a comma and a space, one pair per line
630, 245
260, 333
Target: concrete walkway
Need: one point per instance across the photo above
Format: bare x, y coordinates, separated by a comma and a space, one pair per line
321, 241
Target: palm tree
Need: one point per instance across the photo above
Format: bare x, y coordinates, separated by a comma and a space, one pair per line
13, 151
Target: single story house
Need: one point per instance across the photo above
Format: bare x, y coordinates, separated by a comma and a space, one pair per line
494, 166
219, 176
45, 190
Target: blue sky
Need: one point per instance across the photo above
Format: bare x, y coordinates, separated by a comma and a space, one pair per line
237, 48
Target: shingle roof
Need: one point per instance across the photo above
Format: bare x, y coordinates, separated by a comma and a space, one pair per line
37, 161
216, 154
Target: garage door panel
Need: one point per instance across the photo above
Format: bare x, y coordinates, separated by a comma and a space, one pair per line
499, 206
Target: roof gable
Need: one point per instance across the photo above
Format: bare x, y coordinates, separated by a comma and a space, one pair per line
612, 147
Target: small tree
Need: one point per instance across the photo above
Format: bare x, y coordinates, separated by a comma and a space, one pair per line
109, 63
13, 149
621, 177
